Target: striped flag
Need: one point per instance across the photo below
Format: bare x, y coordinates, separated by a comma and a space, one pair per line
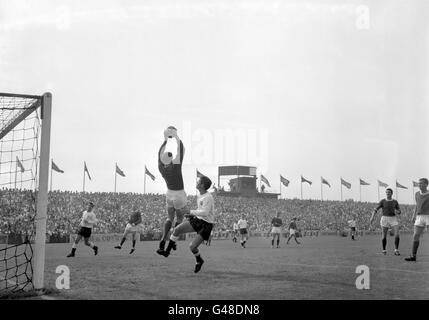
19, 163
348, 185
305, 180
415, 184
284, 181
398, 185
149, 174
265, 180
382, 184
324, 181
119, 171
363, 183
86, 170
56, 168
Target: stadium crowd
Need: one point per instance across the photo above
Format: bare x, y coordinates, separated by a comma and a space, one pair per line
113, 209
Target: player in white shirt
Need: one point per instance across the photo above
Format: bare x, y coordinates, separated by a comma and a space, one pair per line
200, 221
352, 225
234, 232
86, 225
242, 226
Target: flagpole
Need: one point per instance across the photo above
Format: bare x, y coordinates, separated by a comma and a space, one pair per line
280, 187
321, 191
51, 174
16, 169
341, 189
396, 190
116, 165
360, 192
144, 189
84, 177
378, 191
301, 187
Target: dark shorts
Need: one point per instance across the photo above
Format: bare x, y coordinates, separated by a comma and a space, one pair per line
353, 228
201, 227
243, 231
85, 232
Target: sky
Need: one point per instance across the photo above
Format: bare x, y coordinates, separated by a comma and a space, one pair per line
313, 88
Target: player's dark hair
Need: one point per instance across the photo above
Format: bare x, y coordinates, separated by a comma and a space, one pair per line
171, 127
389, 189
91, 204
425, 180
206, 182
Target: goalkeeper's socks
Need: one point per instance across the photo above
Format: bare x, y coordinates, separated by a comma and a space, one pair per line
122, 241
171, 245
73, 251
162, 244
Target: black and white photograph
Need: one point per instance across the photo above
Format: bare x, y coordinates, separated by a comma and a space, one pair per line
231, 152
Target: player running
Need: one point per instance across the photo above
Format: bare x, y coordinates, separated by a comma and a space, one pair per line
390, 209
292, 231
134, 226
242, 226
86, 225
276, 230
352, 225
421, 216
171, 171
200, 221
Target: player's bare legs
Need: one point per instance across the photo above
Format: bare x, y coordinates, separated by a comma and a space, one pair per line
91, 245
396, 232
76, 242
194, 249
124, 238
167, 226
184, 227
384, 239
134, 242
418, 231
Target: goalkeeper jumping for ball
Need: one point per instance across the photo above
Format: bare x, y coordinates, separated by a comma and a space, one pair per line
200, 221
171, 170
135, 227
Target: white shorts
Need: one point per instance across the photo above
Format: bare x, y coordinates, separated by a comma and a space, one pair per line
276, 230
131, 228
176, 199
292, 231
422, 220
388, 222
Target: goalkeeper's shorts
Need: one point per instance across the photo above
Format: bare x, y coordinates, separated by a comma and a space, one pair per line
131, 228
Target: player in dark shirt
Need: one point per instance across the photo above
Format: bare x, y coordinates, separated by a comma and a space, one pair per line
134, 226
276, 230
390, 208
171, 170
292, 231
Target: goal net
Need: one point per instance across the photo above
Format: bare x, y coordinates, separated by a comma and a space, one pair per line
24, 165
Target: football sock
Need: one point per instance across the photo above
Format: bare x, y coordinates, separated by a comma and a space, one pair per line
167, 227
171, 243
272, 242
278, 242
415, 246
384, 242
134, 243
73, 250
122, 241
162, 244
396, 243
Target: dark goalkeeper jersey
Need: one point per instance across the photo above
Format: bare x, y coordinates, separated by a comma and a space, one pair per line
276, 222
388, 207
292, 225
172, 173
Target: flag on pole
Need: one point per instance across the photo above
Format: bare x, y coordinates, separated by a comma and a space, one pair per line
56, 168
324, 181
382, 184
119, 171
305, 180
199, 174
149, 174
87, 172
348, 185
265, 180
20, 164
398, 185
363, 183
284, 181
415, 184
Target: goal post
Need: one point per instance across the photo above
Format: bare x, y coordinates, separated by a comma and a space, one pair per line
42, 194
25, 129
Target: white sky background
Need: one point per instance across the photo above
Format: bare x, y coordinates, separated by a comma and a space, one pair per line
309, 92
